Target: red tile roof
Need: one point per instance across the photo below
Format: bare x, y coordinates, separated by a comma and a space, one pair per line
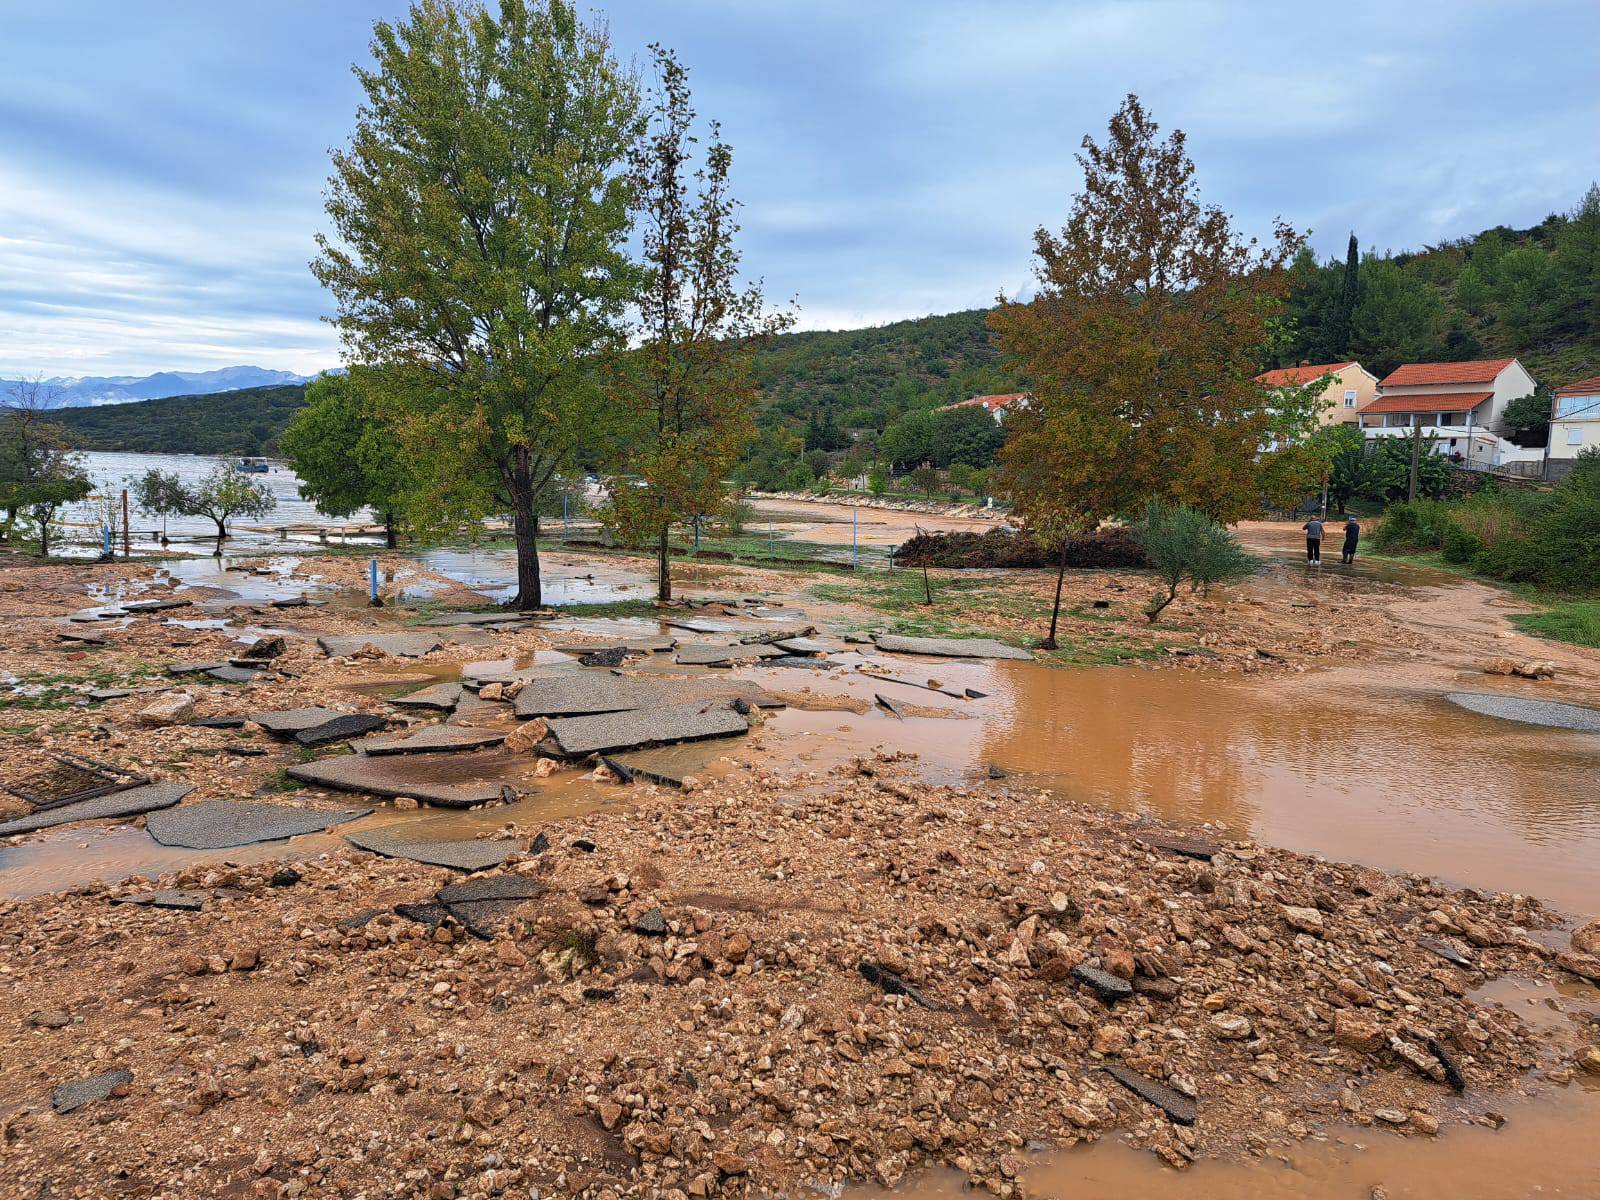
1293, 376
1583, 387
989, 402
1438, 402
1483, 370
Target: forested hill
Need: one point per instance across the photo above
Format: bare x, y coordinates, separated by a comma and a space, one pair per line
247, 421
1532, 294
859, 377
862, 377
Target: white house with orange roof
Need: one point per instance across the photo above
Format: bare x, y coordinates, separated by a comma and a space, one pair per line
1349, 387
995, 406
1575, 421
1462, 404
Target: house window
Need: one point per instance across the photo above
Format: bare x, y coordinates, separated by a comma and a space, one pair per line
1575, 437
1350, 399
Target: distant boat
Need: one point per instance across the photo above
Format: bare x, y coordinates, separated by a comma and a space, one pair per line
252, 466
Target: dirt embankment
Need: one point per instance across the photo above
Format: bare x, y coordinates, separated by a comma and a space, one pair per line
768, 985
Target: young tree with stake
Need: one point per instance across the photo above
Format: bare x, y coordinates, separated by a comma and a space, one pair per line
688, 387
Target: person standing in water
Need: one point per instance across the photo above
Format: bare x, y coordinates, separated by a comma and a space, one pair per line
1313, 530
1352, 535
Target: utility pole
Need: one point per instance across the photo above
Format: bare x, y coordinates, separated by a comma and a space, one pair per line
1416, 455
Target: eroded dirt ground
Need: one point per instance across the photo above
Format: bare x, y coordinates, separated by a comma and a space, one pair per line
861, 945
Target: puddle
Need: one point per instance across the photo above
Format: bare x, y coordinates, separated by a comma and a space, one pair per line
493, 573
1544, 1006
1321, 763
1533, 1155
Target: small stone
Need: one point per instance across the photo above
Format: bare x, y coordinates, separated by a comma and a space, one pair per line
526, 736
1357, 1032
1230, 1027
1589, 1060
1107, 986
49, 1018
174, 709
244, 958
651, 924
1306, 920
1424, 1122
1390, 1116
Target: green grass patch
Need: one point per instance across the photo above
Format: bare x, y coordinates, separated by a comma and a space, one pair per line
1575, 621
279, 781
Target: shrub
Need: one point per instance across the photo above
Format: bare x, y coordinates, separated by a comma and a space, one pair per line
1459, 545
1183, 543
1108, 548
1415, 526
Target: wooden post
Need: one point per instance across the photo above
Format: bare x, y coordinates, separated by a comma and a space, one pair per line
1416, 454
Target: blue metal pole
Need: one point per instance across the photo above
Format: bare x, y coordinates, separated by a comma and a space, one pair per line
106, 529
372, 578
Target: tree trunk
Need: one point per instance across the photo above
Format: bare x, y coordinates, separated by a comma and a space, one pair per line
1049, 642
222, 532
525, 528
44, 538
388, 531
663, 568
1161, 602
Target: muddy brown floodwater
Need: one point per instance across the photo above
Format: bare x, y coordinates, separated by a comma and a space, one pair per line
1395, 777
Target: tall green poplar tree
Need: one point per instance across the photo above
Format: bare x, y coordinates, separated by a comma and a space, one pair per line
480, 213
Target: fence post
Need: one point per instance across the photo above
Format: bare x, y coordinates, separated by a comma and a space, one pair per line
127, 540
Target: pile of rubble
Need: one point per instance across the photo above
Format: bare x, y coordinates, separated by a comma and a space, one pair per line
767, 984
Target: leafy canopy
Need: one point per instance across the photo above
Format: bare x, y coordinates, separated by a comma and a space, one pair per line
479, 267
1142, 343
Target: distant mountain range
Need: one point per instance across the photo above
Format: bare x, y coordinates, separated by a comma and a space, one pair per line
89, 391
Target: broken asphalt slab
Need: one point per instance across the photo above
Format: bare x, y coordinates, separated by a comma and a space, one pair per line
440, 695
1196, 848
480, 905
143, 799
345, 725
666, 765
703, 654
433, 739
181, 899
1174, 1103
576, 736
287, 722
949, 647
449, 620
402, 645
448, 780
411, 841
219, 824
584, 693
70, 1096
1550, 713
643, 644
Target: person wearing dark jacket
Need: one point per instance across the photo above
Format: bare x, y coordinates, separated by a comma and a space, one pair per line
1352, 535
1313, 530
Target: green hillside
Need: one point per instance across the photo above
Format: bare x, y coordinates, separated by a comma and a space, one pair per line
247, 421
1531, 294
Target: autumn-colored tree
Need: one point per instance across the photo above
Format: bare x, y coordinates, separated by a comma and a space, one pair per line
1141, 345
480, 268
688, 388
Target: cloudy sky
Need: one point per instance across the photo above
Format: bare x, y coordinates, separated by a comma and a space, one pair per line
162, 161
